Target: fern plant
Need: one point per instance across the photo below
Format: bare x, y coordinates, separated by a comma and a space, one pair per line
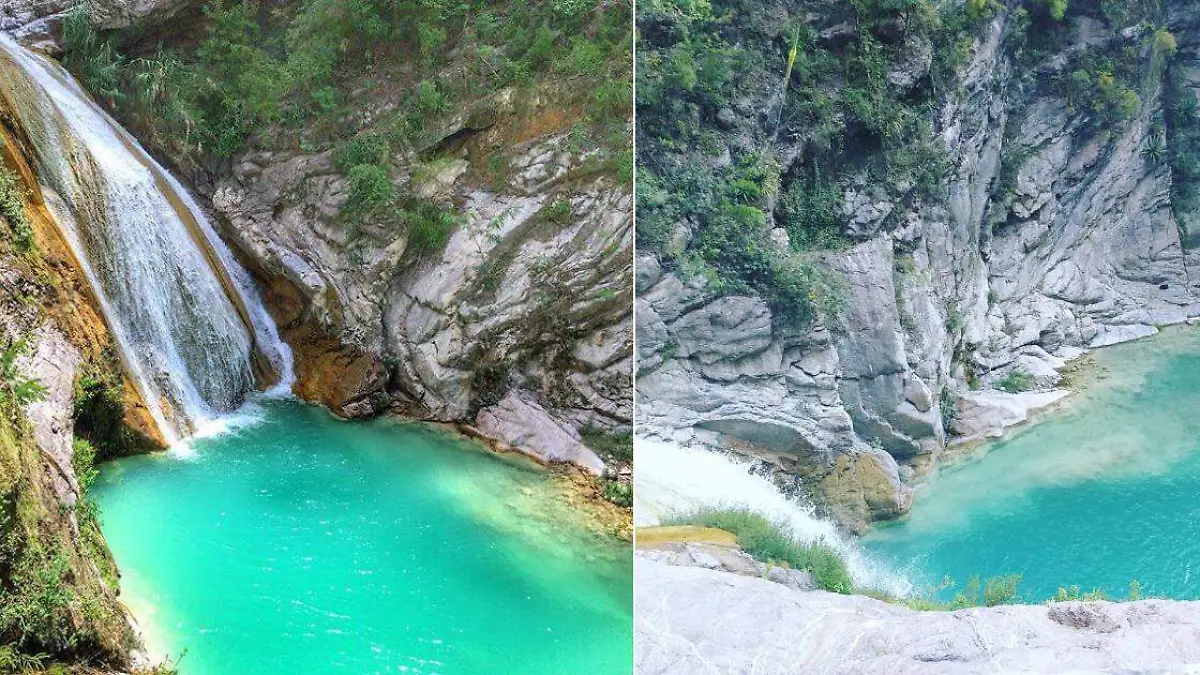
16, 390
13, 661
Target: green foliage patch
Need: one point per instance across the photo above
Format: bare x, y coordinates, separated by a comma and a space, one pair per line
12, 210
299, 66
1015, 381
16, 390
774, 543
612, 447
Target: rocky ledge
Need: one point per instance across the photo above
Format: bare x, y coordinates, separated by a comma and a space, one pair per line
695, 620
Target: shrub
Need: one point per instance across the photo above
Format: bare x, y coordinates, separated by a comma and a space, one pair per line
430, 99
1072, 593
811, 214
364, 148
37, 606
1015, 381
612, 101
558, 211
98, 407
16, 390
83, 460
774, 542
1001, 590
585, 58
370, 188
612, 447
617, 492
429, 226
13, 661
12, 209
948, 409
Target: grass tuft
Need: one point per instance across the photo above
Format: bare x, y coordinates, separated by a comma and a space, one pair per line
772, 542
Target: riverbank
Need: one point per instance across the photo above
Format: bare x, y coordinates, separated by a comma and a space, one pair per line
1094, 497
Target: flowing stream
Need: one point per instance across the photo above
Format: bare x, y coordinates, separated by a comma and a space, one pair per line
193, 334
1101, 493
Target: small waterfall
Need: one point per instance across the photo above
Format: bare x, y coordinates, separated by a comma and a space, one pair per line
671, 479
193, 333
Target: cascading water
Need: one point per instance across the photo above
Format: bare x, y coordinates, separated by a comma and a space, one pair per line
194, 335
671, 479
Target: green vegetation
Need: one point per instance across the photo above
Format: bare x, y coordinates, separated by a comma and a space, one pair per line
1108, 81
993, 591
1070, 593
699, 61
13, 661
616, 449
617, 492
294, 77
99, 411
948, 409
16, 390
728, 151
774, 543
1015, 381
293, 68
990, 592
12, 210
46, 609
610, 446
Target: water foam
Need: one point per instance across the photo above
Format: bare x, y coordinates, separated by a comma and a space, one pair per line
671, 479
188, 319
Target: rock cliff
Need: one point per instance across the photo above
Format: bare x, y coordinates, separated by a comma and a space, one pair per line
58, 582
528, 298
1033, 201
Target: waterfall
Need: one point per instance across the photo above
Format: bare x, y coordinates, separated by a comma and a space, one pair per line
671, 479
193, 333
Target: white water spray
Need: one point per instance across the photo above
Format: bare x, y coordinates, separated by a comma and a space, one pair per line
189, 323
672, 480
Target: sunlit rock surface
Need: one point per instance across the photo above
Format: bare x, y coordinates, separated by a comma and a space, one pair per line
696, 620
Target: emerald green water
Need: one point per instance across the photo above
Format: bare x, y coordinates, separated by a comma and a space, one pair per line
301, 544
1101, 493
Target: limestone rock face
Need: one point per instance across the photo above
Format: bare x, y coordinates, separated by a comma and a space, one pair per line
37, 23
1076, 244
531, 291
528, 426
767, 628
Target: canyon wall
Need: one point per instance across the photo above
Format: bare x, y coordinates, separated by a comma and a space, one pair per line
1053, 228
